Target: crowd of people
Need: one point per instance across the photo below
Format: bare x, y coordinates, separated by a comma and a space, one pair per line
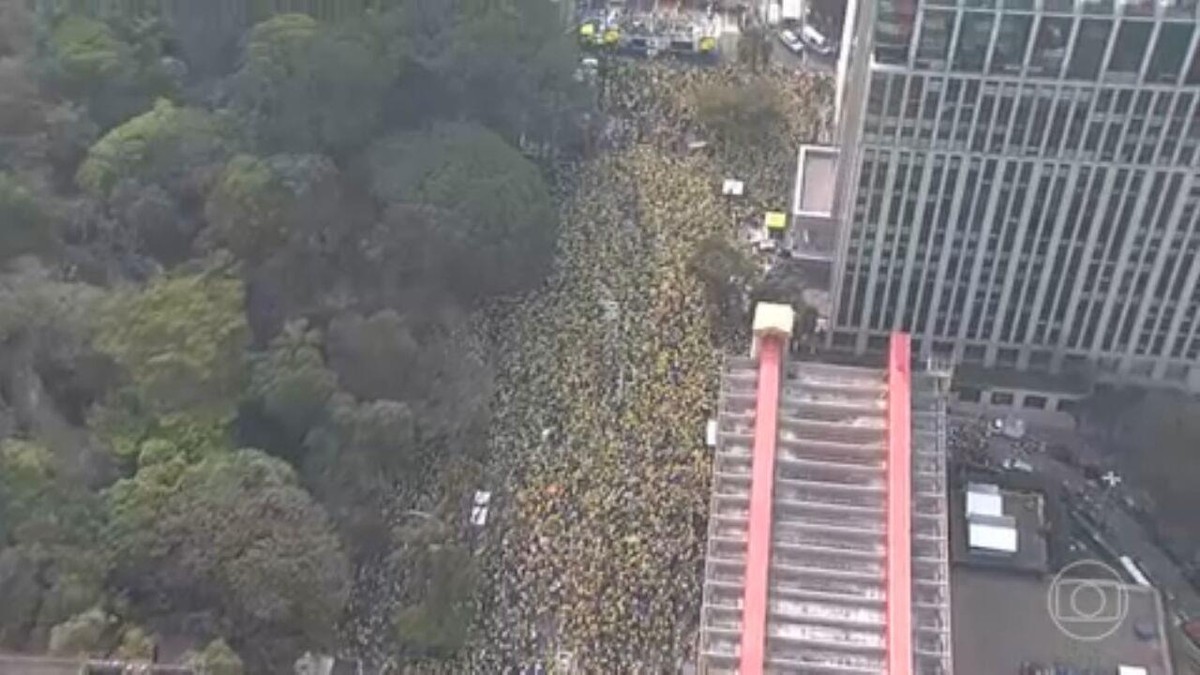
595, 553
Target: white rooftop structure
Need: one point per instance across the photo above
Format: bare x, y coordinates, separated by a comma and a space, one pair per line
996, 534
984, 500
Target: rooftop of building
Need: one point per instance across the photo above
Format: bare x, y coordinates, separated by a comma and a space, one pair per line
815, 180
1027, 511
1003, 620
830, 566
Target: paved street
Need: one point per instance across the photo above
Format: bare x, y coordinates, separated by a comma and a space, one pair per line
1122, 530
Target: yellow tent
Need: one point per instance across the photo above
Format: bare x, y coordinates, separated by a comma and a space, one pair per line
775, 220
612, 36
587, 30
707, 44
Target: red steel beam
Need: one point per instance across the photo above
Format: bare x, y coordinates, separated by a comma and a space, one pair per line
762, 472
899, 509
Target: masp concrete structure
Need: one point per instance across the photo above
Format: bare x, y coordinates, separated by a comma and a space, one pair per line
827, 548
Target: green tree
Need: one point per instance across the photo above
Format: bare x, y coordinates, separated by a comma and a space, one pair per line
181, 340
51, 566
234, 535
292, 381
435, 622
176, 147
356, 460
115, 69
247, 208
26, 227
742, 114
82, 635
217, 658
304, 86
151, 220
507, 65
418, 361
504, 237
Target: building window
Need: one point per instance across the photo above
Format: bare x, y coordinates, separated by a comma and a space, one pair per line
1133, 39
1050, 47
974, 35
1040, 359
1008, 54
973, 354
934, 44
1006, 357
1065, 405
1176, 372
1142, 369
1089, 48
1033, 402
1170, 52
877, 343
969, 395
1002, 398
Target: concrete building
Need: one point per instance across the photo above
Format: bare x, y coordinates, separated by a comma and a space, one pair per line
827, 548
1016, 186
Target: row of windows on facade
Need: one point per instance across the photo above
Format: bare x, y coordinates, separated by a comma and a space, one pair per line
1039, 360
1088, 124
1179, 9
1017, 327
1081, 334
1039, 45
1141, 232
964, 256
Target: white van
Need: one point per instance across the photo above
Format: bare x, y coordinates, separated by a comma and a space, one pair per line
816, 42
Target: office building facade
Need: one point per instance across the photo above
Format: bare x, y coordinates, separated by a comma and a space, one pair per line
1018, 187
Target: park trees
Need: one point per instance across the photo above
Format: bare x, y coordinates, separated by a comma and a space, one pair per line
180, 341
115, 68
168, 145
27, 227
234, 535
503, 233
291, 58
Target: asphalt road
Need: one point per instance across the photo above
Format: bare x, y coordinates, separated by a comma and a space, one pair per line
1125, 534
1121, 529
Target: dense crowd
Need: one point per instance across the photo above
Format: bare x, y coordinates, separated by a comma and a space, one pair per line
596, 554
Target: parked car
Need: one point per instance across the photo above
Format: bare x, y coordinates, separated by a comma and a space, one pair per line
815, 41
792, 41
1013, 464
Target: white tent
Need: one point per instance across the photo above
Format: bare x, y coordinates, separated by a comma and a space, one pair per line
984, 500
994, 534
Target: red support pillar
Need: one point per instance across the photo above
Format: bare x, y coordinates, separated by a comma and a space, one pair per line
762, 472
899, 509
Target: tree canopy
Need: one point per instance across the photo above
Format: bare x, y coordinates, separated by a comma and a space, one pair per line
180, 340
234, 534
242, 254
503, 233
165, 145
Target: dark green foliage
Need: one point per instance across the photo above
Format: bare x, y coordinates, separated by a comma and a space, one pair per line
502, 235
233, 534
174, 146
286, 223
49, 565
25, 226
289, 60
114, 68
291, 382
435, 624
180, 341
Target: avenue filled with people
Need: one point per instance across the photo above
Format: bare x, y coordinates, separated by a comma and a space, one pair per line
595, 557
